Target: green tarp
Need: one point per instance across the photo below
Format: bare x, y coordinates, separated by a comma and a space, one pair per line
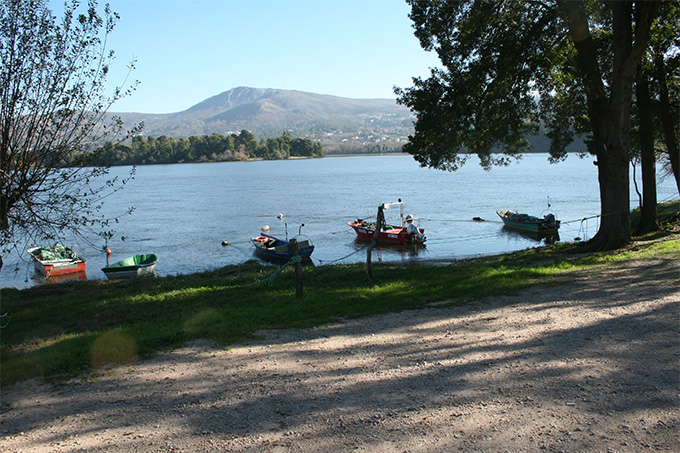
55, 252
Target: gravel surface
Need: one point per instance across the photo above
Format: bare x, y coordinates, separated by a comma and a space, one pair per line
588, 365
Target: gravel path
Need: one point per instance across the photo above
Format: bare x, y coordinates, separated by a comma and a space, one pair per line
589, 365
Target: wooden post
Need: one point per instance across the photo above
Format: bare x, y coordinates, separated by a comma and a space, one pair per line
298, 268
369, 267
379, 221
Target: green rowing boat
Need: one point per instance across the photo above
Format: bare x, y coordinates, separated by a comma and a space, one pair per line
132, 267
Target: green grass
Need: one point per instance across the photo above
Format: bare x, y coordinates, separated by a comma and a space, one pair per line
668, 213
59, 331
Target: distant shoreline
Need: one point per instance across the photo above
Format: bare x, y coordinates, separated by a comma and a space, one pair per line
329, 155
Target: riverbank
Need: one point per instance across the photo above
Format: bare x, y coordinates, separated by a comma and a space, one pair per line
584, 360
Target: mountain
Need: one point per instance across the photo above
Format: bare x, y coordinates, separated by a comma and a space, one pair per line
340, 124
269, 112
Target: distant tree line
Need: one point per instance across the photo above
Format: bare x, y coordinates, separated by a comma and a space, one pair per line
350, 148
206, 148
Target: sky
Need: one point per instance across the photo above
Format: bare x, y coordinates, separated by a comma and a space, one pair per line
189, 50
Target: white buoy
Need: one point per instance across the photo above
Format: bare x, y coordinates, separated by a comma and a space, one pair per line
265, 228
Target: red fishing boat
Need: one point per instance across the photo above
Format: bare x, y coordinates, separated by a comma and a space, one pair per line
57, 260
407, 232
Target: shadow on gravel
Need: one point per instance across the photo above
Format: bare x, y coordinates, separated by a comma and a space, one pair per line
607, 344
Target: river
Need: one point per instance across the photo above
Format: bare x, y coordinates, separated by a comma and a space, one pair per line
184, 212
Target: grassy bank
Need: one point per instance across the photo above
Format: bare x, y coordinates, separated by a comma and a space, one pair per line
63, 330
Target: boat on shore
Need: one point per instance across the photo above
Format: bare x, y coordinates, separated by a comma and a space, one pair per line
133, 266
547, 224
56, 260
271, 247
407, 232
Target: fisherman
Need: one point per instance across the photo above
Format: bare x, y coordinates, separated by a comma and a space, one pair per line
413, 230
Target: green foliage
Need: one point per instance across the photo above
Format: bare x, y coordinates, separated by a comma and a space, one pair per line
206, 148
485, 97
63, 330
510, 67
52, 81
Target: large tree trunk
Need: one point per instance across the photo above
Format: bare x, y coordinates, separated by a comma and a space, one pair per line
612, 159
668, 123
609, 108
606, 122
648, 210
613, 176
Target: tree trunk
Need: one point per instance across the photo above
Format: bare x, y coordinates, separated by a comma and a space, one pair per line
668, 123
606, 126
613, 176
609, 107
613, 168
648, 210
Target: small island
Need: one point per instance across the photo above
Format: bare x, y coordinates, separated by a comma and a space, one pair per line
241, 146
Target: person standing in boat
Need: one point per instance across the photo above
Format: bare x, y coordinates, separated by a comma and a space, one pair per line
413, 230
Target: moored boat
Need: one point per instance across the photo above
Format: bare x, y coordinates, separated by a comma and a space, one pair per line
279, 249
133, 266
56, 260
404, 233
526, 222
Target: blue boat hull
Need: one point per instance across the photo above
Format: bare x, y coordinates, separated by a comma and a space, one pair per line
266, 246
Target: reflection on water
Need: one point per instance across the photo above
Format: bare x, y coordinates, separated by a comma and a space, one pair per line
546, 237
39, 278
389, 252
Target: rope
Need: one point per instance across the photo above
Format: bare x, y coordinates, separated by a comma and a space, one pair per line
582, 231
581, 220
7, 323
466, 238
459, 220
561, 222
344, 257
271, 278
227, 244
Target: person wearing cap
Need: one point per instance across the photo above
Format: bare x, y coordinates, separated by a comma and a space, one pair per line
412, 229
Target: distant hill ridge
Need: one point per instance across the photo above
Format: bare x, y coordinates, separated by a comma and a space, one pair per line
267, 112
342, 125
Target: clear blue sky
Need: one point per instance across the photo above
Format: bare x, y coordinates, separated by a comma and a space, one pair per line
189, 50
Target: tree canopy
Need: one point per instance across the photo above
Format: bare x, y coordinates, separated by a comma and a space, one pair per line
509, 67
53, 78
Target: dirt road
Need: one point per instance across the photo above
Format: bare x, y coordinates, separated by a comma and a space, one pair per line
589, 365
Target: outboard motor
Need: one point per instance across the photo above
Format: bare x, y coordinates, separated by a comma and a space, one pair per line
549, 220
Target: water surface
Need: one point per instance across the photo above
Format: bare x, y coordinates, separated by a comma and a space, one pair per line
184, 212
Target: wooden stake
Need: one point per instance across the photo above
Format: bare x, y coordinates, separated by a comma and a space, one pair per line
369, 266
298, 268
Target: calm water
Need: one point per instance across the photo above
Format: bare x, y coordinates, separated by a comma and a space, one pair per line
184, 212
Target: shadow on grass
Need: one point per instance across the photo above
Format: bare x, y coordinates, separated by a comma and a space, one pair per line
452, 359
54, 330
